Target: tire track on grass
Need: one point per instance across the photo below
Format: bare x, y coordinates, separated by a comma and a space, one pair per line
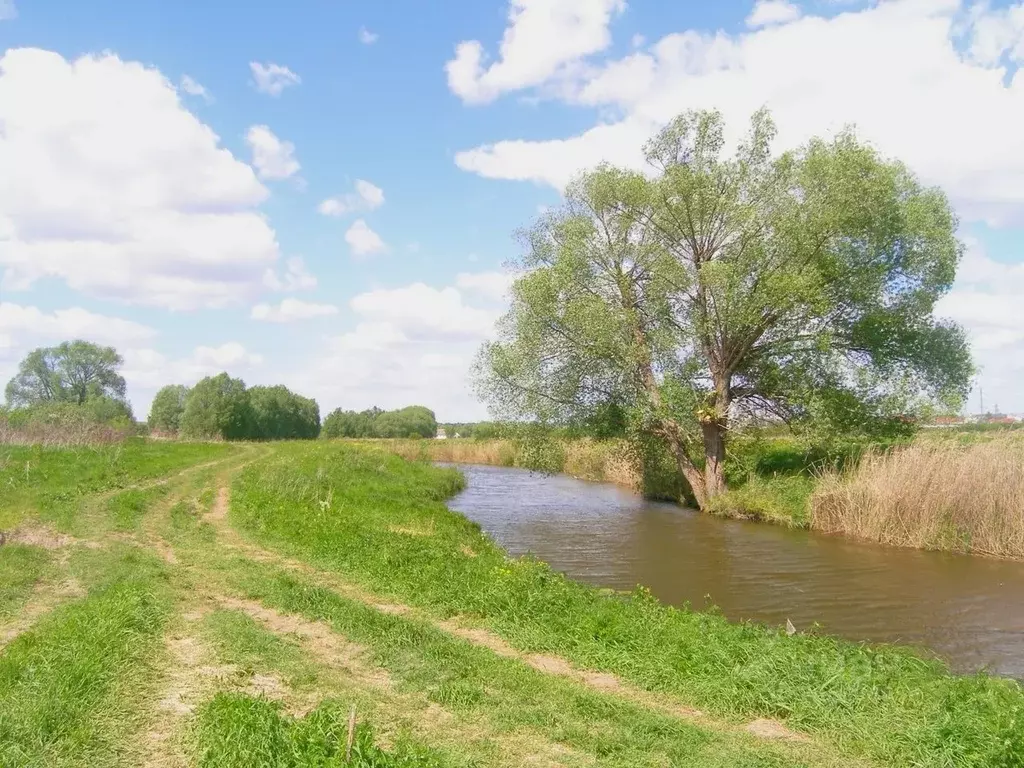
761, 729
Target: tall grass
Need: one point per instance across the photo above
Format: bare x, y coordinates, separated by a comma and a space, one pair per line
933, 494
585, 458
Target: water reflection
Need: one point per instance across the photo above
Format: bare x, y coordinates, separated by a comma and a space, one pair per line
970, 610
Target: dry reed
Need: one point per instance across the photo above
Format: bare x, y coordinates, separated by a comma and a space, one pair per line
931, 495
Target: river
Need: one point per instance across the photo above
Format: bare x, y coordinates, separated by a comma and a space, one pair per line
969, 610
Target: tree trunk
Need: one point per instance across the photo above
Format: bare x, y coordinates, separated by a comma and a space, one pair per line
714, 456
687, 469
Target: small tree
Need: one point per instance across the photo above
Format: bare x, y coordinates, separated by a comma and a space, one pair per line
799, 285
168, 407
411, 421
218, 408
72, 372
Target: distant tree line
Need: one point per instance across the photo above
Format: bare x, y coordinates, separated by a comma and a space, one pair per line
481, 430
220, 407
412, 421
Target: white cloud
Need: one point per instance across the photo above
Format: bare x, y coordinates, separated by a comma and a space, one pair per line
413, 344
295, 278
8, 10
110, 185
366, 197
366, 37
194, 88
420, 311
768, 12
24, 327
273, 158
272, 78
954, 119
146, 370
290, 310
542, 38
986, 300
997, 34
490, 285
362, 240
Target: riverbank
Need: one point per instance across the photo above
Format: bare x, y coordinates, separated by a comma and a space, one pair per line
232, 609
960, 491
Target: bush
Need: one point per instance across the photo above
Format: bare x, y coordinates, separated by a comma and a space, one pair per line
280, 414
54, 423
412, 421
168, 407
218, 408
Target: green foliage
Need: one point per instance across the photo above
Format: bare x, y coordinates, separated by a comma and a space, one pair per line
218, 408
412, 421
72, 372
885, 703
280, 414
168, 407
800, 285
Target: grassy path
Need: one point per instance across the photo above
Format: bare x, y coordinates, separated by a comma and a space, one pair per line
232, 612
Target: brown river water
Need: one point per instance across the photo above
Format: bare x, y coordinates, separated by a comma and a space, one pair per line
968, 610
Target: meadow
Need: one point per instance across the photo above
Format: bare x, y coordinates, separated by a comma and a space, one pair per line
233, 605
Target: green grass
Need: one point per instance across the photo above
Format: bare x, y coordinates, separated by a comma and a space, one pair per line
51, 483
70, 687
335, 505
239, 731
516, 701
21, 568
127, 508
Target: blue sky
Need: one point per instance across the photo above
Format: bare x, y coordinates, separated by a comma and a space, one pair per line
145, 210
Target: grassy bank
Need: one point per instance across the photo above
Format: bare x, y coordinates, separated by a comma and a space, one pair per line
235, 614
50, 483
385, 526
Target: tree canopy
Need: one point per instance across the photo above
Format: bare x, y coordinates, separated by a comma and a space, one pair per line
280, 414
222, 407
218, 407
168, 407
412, 421
72, 372
800, 285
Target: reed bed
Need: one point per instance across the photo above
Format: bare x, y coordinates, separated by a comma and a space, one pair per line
933, 494
584, 458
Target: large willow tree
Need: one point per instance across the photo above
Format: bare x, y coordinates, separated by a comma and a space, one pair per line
799, 284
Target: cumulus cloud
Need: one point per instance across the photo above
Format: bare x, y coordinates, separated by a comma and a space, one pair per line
542, 38
272, 78
294, 278
952, 115
112, 186
767, 12
362, 240
194, 88
490, 285
366, 197
23, 327
290, 310
411, 344
366, 37
273, 158
986, 300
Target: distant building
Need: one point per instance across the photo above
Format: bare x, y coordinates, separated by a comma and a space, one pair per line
441, 434
947, 421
